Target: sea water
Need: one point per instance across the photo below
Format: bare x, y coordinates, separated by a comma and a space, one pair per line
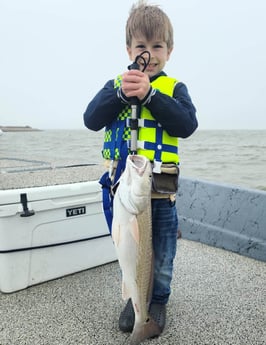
235, 157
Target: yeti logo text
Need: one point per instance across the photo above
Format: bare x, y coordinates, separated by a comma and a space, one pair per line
75, 211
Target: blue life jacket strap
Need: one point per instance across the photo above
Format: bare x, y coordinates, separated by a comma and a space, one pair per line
108, 189
117, 133
107, 199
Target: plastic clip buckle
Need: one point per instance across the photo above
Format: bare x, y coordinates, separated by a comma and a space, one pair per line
157, 167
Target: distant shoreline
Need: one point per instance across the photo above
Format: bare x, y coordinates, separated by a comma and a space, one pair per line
18, 129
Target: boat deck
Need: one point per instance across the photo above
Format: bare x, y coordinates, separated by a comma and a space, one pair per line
26, 173
218, 297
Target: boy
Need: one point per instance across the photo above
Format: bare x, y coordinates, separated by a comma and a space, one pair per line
166, 113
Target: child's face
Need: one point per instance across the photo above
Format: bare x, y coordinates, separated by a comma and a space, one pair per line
158, 50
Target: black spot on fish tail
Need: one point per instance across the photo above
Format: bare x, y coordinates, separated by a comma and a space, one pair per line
144, 331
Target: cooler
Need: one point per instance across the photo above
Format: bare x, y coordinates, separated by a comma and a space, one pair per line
48, 232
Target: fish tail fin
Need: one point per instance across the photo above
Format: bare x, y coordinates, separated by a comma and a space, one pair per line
144, 331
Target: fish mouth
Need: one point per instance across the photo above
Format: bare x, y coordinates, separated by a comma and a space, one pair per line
139, 162
138, 158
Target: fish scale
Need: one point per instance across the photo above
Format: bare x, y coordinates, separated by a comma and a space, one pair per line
132, 235
144, 259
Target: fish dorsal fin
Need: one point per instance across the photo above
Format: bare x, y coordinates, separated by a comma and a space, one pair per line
134, 228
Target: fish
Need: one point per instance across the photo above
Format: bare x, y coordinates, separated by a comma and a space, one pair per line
132, 237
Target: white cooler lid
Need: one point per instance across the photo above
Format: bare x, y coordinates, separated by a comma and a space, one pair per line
13, 196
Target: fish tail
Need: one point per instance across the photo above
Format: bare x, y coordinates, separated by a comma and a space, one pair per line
144, 331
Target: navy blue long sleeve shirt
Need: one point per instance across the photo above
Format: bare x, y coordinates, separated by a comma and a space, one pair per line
177, 114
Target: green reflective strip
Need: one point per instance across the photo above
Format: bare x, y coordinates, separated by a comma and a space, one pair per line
108, 136
117, 82
106, 153
127, 133
125, 113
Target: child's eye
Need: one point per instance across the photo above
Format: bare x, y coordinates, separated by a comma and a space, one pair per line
140, 46
158, 46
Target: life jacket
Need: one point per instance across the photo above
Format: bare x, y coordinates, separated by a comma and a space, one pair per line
153, 141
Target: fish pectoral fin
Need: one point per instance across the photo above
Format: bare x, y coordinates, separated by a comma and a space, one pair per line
134, 228
144, 331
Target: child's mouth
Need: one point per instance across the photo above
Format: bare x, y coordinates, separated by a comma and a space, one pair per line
151, 66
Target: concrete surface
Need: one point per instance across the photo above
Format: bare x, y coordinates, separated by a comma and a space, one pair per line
224, 216
218, 297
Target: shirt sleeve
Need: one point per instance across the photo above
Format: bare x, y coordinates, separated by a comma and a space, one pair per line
103, 108
176, 114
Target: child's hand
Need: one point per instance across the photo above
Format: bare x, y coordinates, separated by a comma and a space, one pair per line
135, 84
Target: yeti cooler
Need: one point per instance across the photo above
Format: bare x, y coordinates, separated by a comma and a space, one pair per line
48, 232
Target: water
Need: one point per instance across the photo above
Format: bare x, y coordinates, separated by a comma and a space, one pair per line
234, 157
227, 156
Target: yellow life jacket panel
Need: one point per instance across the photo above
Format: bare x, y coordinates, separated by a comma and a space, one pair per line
153, 141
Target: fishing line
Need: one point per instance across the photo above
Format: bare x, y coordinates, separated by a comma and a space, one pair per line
145, 62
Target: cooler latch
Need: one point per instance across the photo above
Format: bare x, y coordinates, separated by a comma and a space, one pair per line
24, 201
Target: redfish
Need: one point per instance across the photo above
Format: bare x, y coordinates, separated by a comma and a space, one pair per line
132, 236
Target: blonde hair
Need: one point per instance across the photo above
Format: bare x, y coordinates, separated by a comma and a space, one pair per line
149, 21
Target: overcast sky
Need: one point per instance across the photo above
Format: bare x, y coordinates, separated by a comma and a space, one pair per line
56, 54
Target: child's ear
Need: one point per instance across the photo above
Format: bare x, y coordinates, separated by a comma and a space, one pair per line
169, 52
129, 51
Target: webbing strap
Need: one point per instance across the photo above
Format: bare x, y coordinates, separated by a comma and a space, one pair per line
159, 146
142, 123
147, 145
107, 199
108, 185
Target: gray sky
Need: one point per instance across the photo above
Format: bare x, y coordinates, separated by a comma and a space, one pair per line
56, 54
